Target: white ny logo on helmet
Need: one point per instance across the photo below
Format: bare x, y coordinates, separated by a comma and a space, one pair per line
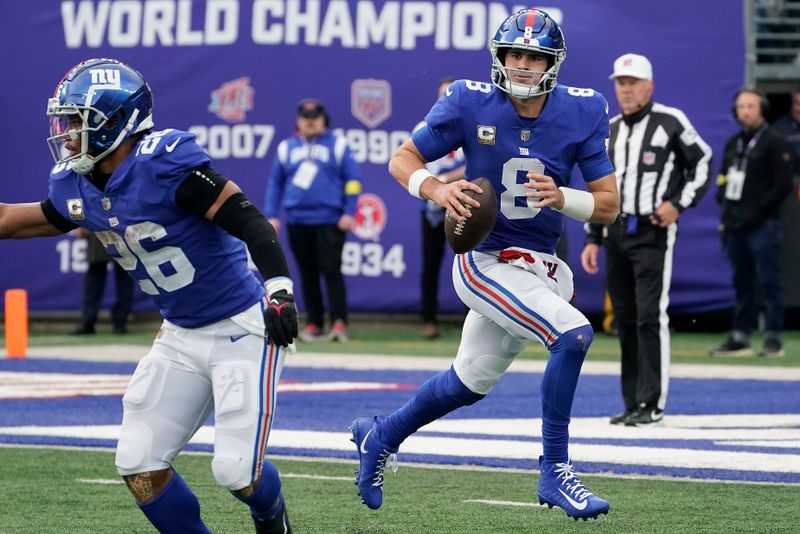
105, 78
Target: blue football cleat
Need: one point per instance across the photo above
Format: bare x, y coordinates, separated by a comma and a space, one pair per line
560, 486
373, 457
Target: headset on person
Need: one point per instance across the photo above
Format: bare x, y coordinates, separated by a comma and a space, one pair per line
762, 99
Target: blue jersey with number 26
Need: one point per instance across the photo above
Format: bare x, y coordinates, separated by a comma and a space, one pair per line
502, 146
195, 271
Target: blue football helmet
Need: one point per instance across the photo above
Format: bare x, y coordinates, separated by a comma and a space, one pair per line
101, 102
529, 30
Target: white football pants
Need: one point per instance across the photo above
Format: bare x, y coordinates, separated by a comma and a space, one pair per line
226, 366
511, 304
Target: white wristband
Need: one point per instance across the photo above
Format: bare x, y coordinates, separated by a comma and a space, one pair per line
577, 204
279, 283
415, 181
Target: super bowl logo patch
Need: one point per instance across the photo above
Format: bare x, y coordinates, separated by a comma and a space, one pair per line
75, 209
486, 134
232, 100
371, 101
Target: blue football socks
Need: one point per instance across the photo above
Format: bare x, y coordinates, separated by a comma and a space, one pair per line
437, 397
267, 501
558, 390
175, 510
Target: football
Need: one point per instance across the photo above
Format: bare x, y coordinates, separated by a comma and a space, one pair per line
473, 231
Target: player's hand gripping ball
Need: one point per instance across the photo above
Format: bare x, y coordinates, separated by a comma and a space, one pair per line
280, 318
472, 231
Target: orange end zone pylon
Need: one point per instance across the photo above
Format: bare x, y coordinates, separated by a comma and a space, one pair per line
16, 323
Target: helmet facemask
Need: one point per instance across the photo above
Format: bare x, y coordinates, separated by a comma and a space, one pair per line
69, 122
542, 82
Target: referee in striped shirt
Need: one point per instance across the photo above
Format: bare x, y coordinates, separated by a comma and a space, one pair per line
662, 167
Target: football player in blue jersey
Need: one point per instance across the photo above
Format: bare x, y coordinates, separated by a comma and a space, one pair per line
180, 230
525, 133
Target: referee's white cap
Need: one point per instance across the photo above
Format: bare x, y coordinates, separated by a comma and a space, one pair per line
633, 65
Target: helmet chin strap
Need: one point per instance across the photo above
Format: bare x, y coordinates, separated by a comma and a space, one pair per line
84, 164
523, 91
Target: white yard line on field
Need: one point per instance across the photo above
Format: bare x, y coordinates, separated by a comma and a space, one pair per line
419, 465
506, 448
505, 503
127, 353
305, 476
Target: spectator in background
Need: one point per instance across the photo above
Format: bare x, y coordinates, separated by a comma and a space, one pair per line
754, 180
662, 167
94, 284
789, 127
448, 168
318, 181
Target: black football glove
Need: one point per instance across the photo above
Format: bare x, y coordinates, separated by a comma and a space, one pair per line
280, 318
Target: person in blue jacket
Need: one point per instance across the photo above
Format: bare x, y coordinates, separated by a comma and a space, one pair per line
316, 179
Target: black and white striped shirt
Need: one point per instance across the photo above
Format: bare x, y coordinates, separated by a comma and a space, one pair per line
657, 156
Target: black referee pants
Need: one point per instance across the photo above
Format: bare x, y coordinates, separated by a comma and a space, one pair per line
93, 288
639, 268
433, 241
318, 252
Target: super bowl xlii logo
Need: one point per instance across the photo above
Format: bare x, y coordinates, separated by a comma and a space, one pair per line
371, 216
232, 100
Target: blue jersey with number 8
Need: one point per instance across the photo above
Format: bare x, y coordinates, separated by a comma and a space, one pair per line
502, 146
195, 272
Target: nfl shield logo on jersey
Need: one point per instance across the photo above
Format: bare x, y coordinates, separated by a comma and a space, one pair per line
524, 135
648, 157
106, 202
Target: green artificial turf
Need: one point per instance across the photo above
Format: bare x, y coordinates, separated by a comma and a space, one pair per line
61, 491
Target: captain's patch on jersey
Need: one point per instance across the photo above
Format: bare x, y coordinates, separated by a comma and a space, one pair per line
75, 209
486, 134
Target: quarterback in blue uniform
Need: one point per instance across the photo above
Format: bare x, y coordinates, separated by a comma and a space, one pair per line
180, 230
525, 133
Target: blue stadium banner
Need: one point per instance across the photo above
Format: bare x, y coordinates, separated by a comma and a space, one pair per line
232, 72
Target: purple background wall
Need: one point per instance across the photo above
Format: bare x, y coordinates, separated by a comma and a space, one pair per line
187, 54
